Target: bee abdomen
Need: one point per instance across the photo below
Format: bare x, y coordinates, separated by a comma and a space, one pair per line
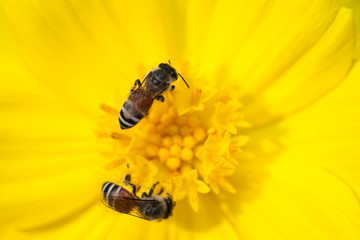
126, 119
110, 189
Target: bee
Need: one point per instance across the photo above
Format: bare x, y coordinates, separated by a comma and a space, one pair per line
142, 95
149, 206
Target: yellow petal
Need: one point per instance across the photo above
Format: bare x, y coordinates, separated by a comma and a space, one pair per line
48, 157
311, 188
311, 44
311, 76
78, 52
101, 223
355, 6
202, 187
301, 201
327, 133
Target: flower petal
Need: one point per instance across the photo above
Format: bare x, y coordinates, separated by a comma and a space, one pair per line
355, 5
327, 133
49, 157
274, 51
313, 75
311, 189
101, 223
301, 201
67, 38
87, 52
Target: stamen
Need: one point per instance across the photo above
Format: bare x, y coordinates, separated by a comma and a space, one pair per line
163, 154
187, 154
173, 163
185, 130
194, 148
167, 141
119, 136
199, 134
175, 150
166, 119
108, 109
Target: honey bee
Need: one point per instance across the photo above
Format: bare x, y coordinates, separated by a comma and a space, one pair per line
142, 95
149, 206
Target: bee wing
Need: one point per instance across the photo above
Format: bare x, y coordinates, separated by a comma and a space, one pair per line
127, 205
147, 77
141, 99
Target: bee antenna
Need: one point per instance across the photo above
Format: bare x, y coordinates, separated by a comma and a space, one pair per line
169, 62
183, 80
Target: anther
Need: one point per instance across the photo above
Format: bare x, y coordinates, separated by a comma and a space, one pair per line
177, 139
184, 131
163, 154
166, 119
167, 141
173, 129
199, 134
189, 141
186, 154
173, 163
175, 150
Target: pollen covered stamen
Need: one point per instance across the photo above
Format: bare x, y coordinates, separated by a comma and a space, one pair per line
180, 135
188, 153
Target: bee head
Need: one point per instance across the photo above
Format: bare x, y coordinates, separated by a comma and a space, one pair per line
170, 205
169, 69
172, 72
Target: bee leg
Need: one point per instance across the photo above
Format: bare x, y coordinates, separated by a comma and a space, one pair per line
151, 192
137, 83
161, 191
160, 98
127, 182
133, 187
172, 87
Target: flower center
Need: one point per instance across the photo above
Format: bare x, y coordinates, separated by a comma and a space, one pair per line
189, 153
172, 139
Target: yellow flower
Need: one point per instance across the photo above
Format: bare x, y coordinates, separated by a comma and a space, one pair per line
264, 144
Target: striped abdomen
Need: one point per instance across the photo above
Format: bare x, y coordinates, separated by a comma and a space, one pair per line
117, 197
135, 108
